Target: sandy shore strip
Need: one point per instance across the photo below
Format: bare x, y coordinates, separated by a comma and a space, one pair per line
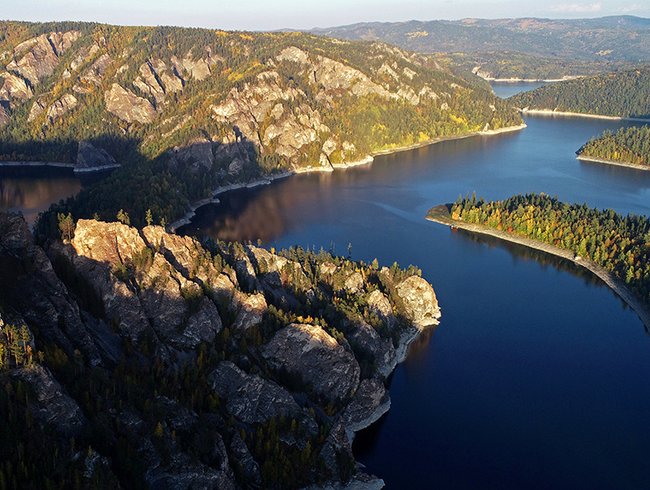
636, 166
551, 112
616, 284
187, 217
86, 170
531, 80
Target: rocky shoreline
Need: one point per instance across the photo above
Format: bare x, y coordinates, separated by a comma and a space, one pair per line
613, 282
636, 166
187, 217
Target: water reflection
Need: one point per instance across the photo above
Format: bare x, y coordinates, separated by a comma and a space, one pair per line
33, 195
521, 252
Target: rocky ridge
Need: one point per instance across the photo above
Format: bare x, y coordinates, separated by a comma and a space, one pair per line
250, 367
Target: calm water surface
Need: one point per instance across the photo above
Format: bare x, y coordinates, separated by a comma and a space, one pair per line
505, 90
537, 376
33, 194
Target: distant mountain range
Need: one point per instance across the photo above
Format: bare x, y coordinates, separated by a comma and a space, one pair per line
621, 38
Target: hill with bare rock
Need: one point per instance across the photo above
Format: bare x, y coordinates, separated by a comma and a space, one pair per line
142, 359
196, 109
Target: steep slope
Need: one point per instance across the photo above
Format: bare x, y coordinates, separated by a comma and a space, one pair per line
620, 94
220, 107
141, 359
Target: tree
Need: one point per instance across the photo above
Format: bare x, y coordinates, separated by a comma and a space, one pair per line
123, 217
66, 226
148, 217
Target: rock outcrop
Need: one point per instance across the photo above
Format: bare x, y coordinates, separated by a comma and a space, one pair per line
51, 406
4, 116
127, 106
420, 302
316, 358
252, 399
91, 157
38, 57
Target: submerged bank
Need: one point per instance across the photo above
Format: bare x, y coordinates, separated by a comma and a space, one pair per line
440, 214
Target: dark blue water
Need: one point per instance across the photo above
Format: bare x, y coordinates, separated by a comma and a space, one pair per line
538, 375
505, 90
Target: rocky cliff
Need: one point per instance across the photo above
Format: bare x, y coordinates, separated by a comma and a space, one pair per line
175, 364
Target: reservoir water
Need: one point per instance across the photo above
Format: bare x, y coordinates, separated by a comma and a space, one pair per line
537, 376
32, 194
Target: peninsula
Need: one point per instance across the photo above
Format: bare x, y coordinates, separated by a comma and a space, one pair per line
616, 95
627, 147
609, 245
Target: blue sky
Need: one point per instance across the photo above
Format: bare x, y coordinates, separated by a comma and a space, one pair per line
276, 14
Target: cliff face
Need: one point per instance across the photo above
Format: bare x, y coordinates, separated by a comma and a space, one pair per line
225, 366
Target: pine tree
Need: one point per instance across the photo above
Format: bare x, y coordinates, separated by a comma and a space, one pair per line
123, 217
66, 226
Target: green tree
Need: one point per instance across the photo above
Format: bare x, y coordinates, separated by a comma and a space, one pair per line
66, 226
123, 217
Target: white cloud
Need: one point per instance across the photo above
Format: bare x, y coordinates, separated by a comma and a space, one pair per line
577, 8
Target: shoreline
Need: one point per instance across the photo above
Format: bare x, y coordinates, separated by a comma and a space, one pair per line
34, 164
57, 165
551, 113
187, 217
531, 80
635, 166
613, 282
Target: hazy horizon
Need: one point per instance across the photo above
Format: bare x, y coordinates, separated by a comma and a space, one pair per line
257, 15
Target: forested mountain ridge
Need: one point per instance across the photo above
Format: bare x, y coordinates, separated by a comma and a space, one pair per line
623, 38
525, 48
513, 65
627, 145
214, 107
142, 359
619, 94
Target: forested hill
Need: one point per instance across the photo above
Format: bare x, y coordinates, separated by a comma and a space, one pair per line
627, 145
623, 94
623, 38
232, 106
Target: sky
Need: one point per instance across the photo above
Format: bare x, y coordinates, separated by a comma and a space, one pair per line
304, 14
